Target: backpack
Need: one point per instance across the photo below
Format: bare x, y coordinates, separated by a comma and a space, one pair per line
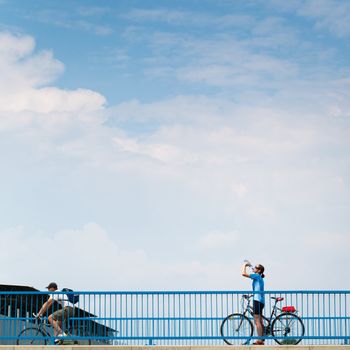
72, 298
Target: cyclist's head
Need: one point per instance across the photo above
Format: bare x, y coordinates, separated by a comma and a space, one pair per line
260, 270
52, 286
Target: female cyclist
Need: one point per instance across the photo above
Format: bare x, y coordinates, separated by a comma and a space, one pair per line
258, 299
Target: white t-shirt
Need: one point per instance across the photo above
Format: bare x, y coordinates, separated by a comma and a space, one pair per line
62, 299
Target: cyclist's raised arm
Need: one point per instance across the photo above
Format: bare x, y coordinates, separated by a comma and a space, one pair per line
244, 271
45, 306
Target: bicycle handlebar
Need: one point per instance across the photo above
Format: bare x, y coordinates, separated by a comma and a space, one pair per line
249, 296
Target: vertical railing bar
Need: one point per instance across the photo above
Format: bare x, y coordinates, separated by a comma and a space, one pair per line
165, 319
195, 323
189, 315
318, 319
99, 312
159, 315
212, 310
181, 315
340, 315
22, 312
334, 316
183, 321
148, 315
214, 322
133, 296
329, 314
142, 296
168, 317
103, 297
153, 321
123, 313
346, 318
324, 315
173, 315
201, 316
347, 332
137, 322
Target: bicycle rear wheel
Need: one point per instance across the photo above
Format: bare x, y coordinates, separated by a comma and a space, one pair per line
236, 326
288, 328
31, 336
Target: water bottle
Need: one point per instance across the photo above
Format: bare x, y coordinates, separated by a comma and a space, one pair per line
248, 262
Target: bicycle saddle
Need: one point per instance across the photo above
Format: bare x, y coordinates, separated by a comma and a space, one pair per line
277, 298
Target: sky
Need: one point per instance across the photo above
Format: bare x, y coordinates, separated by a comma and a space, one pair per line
155, 145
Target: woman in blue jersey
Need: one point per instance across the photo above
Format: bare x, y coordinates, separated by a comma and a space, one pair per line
258, 298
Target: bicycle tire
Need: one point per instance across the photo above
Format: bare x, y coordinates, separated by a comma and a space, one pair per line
244, 329
31, 336
290, 325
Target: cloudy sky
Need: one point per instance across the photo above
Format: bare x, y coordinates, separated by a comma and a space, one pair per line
154, 145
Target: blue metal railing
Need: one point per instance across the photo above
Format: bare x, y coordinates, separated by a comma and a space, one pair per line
170, 318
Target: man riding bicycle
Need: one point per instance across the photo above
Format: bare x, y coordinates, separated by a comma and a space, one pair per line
58, 316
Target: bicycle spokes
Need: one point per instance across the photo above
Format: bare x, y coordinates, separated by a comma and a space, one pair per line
236, 328
287, 329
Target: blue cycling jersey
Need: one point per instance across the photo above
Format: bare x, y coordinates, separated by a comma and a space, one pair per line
258, 286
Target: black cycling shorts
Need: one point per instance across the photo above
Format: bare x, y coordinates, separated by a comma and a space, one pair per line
257, 307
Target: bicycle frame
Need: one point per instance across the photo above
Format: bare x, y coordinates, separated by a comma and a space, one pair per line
45, 327
249, 309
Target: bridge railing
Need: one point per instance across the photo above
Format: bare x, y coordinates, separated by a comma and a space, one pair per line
171, 318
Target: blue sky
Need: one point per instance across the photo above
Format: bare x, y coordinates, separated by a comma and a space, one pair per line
169, 140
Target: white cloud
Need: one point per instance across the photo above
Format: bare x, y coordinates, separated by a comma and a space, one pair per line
206, 164
226, 61
25, 104
200, 140
332, 15
239, 189
82, 18
93, 11
88, 258
14, 47
191, 18
51, 99
180, 109
102, 30
157, 15
87, 255
21, 68
161, 152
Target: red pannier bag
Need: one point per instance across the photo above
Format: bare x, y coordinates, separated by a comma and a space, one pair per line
288, 309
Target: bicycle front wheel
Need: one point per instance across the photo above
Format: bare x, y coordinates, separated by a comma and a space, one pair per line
236, 328
31, 336
288, 329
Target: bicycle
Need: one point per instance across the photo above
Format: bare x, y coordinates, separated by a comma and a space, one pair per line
41, 332
283, 324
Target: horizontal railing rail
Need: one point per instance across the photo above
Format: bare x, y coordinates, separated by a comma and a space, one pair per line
175, 318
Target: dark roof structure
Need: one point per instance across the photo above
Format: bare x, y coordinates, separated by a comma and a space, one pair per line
15, 288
